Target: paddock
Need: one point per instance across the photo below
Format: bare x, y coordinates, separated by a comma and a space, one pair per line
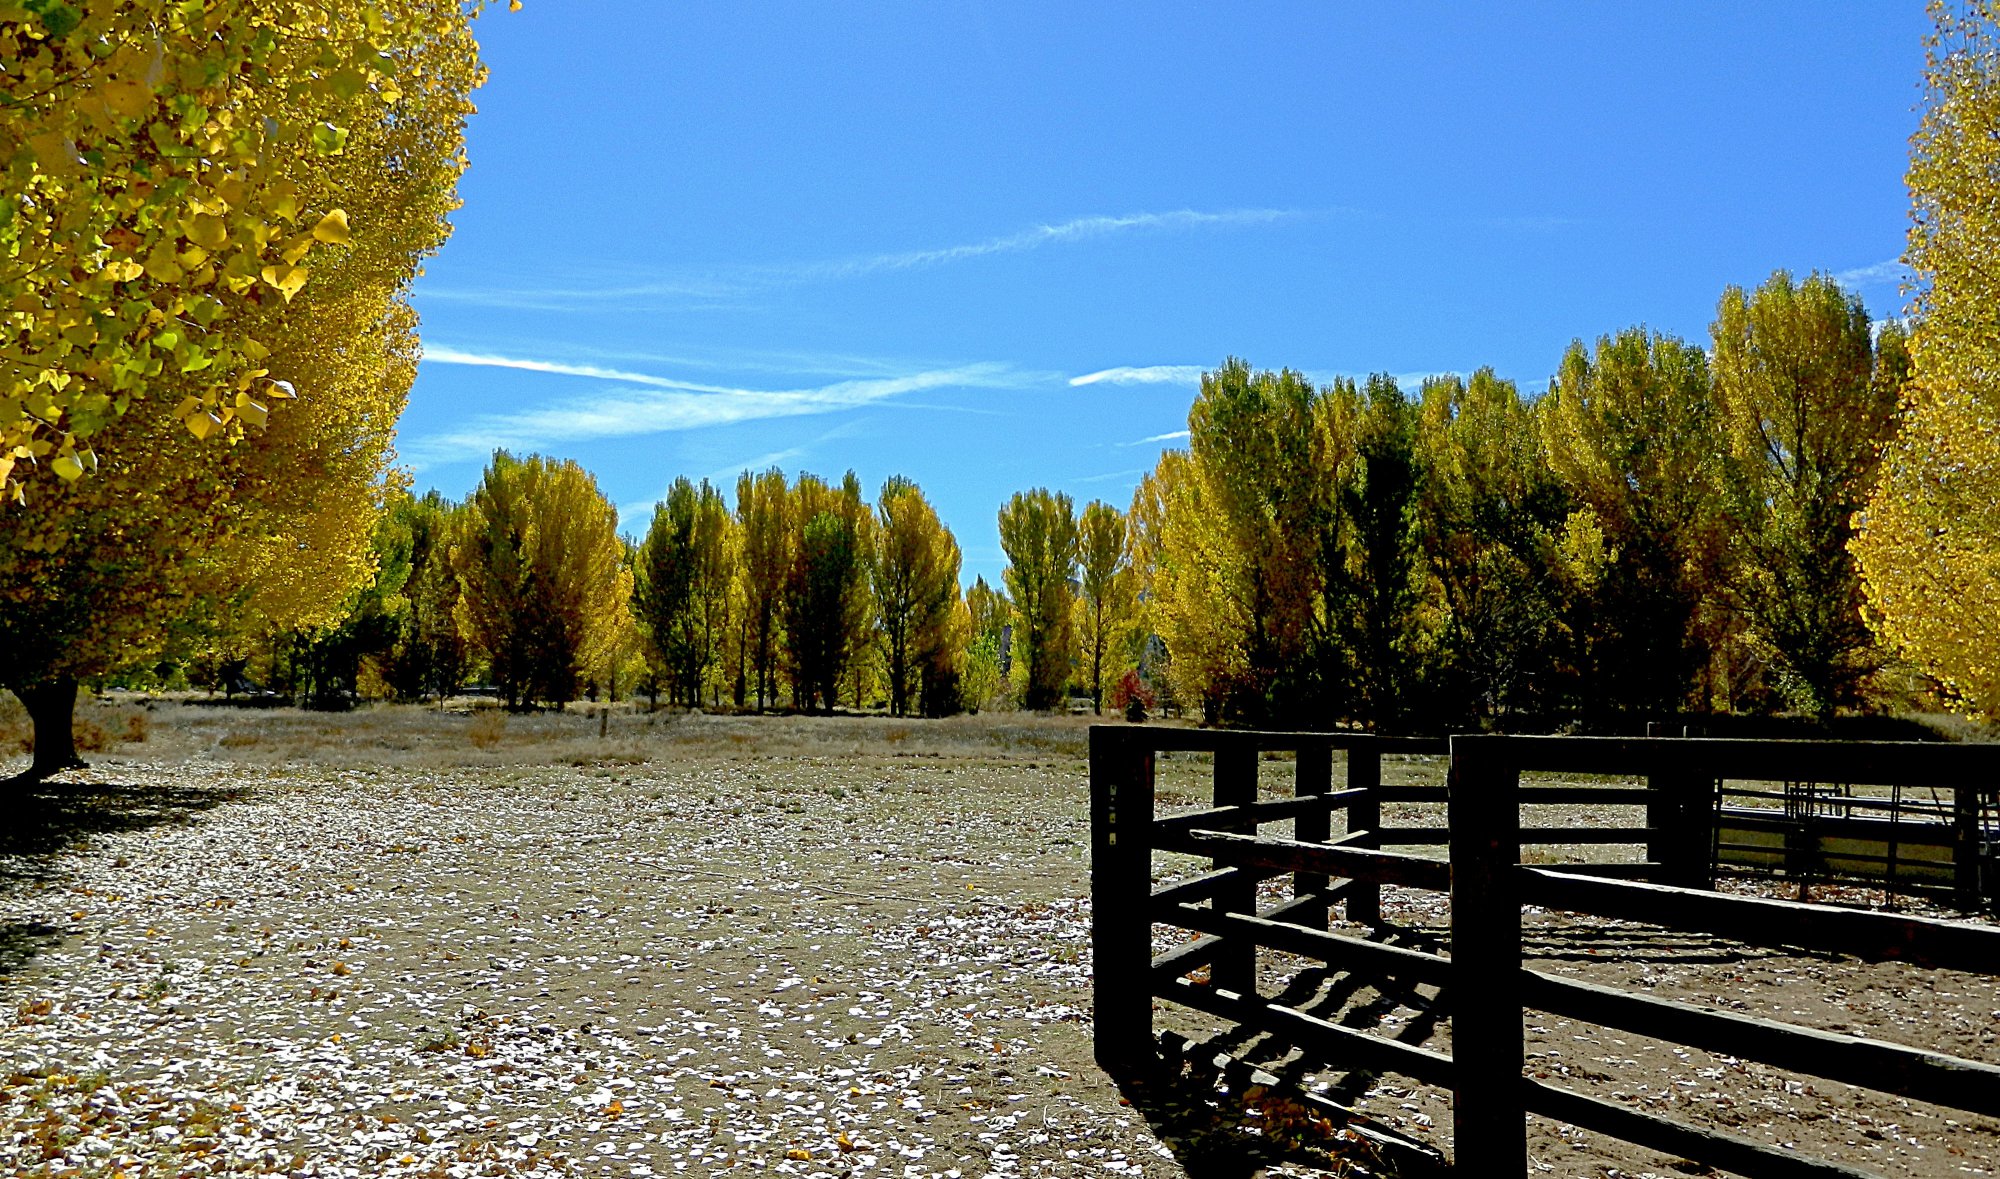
1577, 876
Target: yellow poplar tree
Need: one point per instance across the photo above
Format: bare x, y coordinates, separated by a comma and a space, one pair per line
915, 577
1231, 529
1190, 583
826, 602
764, 527
1807, 393
160, 163
1104, 598
215, 499
1038, 534
1632, 431
1929, 545
544, 579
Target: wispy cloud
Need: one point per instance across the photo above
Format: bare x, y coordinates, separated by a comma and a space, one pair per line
1152, 374
734, 360
1892, 271
1034, 238
727, 285
1169, 436
445, 354
1108, 476
643, 404
1190, 374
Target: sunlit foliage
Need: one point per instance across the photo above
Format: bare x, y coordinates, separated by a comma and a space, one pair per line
1930, 545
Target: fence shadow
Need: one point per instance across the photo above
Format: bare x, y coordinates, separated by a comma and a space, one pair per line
1241, 1133
54, 818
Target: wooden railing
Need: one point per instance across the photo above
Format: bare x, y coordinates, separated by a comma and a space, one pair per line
1485, 987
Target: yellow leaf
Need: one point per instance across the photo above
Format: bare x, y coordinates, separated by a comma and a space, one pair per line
332, 229
202, 425
207, 231
161, 267
287, 279
127, 98
68, 467
799, 1154
54, 151
124, 270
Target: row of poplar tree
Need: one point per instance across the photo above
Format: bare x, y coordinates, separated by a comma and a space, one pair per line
1667, 529
803, 594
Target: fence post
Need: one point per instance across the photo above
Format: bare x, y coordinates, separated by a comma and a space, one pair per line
1235, 965
1488, 1047
1679, 816
1121, 887
1312, 775
1965, 835
1364, 772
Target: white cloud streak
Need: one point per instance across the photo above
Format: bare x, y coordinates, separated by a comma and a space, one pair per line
729, 284
1152, 374
643, 404
1169, 436
1075, 230
1880, 272
1108, 476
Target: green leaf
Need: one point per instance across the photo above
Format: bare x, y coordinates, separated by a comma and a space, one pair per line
60, 19
329, 139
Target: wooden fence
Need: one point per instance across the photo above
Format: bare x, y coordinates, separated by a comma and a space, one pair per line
1484, 987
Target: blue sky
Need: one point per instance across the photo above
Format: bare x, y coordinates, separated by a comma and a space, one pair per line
991, 247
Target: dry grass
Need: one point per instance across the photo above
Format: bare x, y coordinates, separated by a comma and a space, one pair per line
100, 726
477, 735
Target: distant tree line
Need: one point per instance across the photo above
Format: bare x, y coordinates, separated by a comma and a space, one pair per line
1664, 531
1667, 530
802, 595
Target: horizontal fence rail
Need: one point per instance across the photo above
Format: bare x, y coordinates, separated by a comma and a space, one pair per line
1483, 987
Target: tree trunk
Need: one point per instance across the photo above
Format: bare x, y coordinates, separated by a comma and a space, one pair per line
51, 705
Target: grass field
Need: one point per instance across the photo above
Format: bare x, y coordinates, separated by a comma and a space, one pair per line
406, 942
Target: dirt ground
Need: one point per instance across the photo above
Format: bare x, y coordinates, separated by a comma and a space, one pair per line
403, 943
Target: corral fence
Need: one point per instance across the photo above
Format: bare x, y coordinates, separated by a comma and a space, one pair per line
1484, 988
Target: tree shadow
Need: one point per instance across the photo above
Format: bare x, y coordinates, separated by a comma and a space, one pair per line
51, 818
